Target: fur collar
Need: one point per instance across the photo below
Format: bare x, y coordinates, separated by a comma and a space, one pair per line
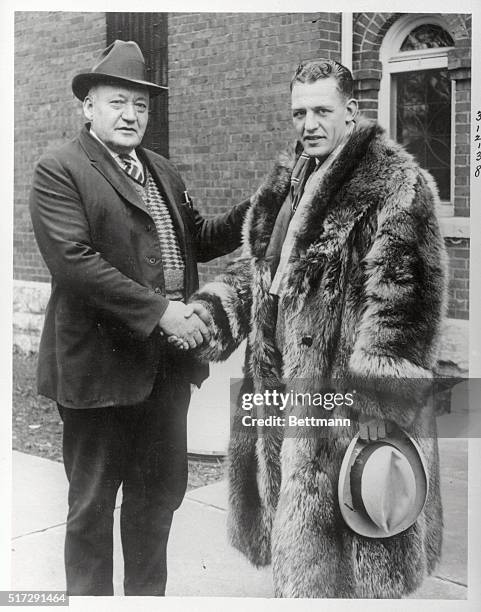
272, 193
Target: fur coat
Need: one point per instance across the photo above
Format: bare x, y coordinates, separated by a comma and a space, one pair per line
364, 301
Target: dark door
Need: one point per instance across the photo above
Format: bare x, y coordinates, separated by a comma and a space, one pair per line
149, 31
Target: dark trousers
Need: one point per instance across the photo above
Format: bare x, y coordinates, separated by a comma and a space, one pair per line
142, 447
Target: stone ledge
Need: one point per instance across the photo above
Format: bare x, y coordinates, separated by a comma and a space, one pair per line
455, 227
453, 357
27, 322
30, 296
26, 342
30, 300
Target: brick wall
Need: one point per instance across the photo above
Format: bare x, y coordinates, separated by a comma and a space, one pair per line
458, 252
369, 30
229, 102
50, 47
462, 147
459, 66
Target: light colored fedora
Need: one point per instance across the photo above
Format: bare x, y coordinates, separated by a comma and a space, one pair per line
383, 484
123, 62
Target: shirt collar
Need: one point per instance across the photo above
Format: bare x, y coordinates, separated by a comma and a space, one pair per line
116, 156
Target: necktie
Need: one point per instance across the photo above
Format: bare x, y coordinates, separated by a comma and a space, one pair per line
132, 167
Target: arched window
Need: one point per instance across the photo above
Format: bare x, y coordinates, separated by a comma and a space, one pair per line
415, 98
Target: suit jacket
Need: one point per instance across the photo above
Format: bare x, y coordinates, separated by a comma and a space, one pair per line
101, 344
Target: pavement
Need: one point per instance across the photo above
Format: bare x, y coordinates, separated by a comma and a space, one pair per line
201, 562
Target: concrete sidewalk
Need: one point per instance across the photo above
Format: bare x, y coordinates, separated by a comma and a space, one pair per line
201, 562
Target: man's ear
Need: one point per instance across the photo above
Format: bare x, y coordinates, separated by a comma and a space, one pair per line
352, 109
88, 105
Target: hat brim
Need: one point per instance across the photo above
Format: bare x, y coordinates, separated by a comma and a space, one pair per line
81, 83
356, 518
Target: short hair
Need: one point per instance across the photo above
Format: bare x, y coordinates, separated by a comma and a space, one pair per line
311, 71
92, 90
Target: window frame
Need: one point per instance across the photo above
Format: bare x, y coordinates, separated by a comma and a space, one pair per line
395, 61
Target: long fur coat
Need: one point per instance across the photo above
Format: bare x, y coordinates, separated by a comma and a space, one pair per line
364, 301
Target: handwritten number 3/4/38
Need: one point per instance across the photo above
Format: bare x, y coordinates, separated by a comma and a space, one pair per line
477, 172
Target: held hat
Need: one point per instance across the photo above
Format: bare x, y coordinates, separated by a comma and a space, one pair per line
383, 485
121, 62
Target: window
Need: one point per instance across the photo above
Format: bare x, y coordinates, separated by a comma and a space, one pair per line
427, 36
422, 121
415, 99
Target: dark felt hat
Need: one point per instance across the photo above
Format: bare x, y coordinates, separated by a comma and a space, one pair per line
121, 62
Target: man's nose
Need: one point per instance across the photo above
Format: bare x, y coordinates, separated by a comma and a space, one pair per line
129, 113
311, 122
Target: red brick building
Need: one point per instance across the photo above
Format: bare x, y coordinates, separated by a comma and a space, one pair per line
226, 115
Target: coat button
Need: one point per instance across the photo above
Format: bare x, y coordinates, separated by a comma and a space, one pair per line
152, 260
307, 340
157, 290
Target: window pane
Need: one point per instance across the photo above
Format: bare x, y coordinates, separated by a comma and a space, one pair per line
423, 122
427, 36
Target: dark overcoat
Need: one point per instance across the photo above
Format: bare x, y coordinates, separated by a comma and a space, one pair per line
101, 344
363, 304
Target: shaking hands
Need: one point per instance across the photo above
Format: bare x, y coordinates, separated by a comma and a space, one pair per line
186, 326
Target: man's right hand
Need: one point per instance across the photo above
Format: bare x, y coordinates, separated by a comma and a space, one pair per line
373, 429
178, 320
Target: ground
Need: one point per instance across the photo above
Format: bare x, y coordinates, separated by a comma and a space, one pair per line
37, 427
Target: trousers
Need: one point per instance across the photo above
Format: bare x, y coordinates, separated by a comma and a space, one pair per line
143, 448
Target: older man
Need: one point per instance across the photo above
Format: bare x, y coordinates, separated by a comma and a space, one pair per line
118, 232
342, 280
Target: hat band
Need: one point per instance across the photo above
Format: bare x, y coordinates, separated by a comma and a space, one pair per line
356, 475
130, 69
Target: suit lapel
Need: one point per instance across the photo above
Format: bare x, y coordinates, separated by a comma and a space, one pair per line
101, 159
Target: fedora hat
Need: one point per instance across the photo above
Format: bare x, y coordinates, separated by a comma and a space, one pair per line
121, 62
383, 484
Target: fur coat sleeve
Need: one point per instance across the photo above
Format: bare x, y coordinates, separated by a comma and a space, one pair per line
228, 299
396, 340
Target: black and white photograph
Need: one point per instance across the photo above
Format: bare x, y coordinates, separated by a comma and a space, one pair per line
242, 340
